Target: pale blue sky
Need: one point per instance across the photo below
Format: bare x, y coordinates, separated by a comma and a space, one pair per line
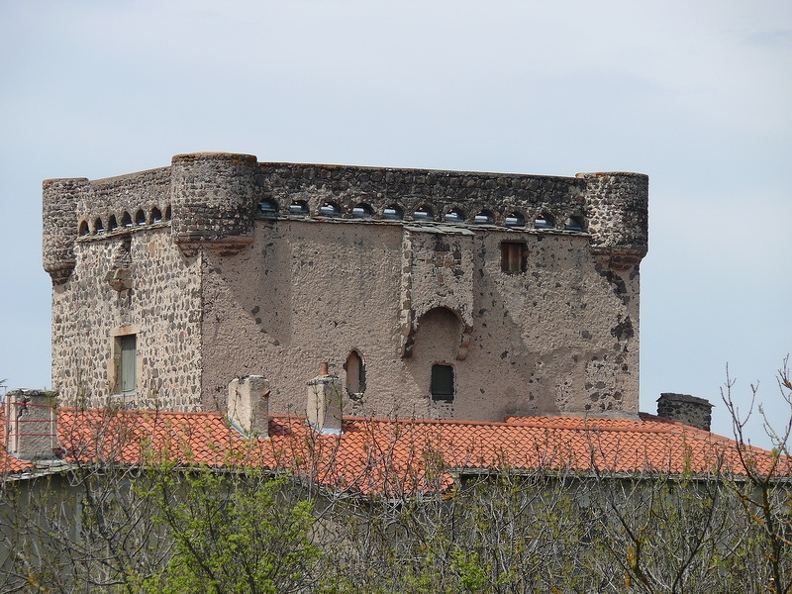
697, 94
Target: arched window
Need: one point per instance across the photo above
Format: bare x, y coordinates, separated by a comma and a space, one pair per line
355, 374
544, 221
393, 213
455, 215
574, 224
423, 213
140, 217
298, 207
484, 217
515, 219
156, 215
442, 386
167, 213
268, 208
112, 223
329, 209
83, 230
362, 211
98, 226
126, 220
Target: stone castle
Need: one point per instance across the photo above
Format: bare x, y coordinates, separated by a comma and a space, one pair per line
432, 294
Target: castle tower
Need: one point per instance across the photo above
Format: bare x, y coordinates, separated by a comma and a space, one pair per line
448, 294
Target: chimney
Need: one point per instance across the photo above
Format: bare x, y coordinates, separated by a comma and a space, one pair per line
324, 402
248, 405
696, 412
30, 424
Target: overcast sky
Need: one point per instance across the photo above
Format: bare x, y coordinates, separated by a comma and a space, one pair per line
697, 94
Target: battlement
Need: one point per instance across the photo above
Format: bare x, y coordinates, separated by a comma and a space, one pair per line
214, 199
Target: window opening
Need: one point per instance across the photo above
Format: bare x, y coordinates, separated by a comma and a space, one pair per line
362, 211
513, 257
573, 224
544, 221
483, 218
355, 374
329, 209
298, 208
454, 216
442, 387
422, 213
268, 208
514, 220
98, 226
392, 213
167, 213
126, 364
156, 215
112, 224
140, 217
126, 220
84, 228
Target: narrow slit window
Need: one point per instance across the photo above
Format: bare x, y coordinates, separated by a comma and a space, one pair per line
513, 257
355, 374
442, 387
126, 364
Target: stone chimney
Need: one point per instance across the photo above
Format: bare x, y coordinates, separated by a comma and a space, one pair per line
324, 402
696, 412
31, 424
248, 405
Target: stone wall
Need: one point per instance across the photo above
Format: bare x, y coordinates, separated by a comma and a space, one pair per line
561, 336
161, 307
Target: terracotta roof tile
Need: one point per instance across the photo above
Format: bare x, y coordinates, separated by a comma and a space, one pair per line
396, 456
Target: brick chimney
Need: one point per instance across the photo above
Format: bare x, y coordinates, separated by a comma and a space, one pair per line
324, 402
31, 424
696, 412
248, 405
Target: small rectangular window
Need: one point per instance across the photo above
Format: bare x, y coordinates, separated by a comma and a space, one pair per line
126, 364
513, 257
442, 383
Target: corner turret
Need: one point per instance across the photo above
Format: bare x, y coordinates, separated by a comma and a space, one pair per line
213, 197
60, 201
617, 206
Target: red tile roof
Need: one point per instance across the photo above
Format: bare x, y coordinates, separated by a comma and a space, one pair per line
397, 456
